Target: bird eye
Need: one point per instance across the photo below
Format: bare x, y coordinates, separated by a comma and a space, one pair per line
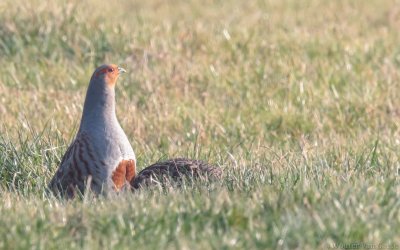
110, 70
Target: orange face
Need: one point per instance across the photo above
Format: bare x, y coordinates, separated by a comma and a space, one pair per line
109, 73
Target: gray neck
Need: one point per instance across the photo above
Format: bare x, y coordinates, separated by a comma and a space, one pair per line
99, 107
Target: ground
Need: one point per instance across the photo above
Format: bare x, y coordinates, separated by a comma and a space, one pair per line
298, 102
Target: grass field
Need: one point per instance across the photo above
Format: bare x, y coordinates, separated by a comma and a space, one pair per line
298, 102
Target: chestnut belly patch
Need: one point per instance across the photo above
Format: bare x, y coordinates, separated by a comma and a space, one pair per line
124, 172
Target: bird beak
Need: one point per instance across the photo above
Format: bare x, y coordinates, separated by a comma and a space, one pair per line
121, 70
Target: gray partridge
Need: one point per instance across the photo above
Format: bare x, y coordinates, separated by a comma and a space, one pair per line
175, 170
100, 156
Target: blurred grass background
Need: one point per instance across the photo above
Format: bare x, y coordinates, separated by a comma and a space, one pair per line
296, 100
